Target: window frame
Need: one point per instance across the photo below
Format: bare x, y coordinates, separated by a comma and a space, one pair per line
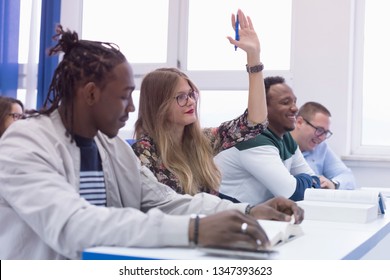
71, 16
358, 150
226, 80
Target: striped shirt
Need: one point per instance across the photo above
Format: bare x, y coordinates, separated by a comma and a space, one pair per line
92, 187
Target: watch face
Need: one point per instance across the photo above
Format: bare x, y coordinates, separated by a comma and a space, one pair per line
336, 183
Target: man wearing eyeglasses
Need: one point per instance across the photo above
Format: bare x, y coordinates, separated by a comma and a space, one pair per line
270, 164
311, 131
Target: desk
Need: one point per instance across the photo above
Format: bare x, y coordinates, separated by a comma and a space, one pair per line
331, 240
385, 191
321, 241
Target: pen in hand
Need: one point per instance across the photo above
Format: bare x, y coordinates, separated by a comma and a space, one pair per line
237, 33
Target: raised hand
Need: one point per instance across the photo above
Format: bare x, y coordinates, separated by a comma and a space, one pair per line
249, 42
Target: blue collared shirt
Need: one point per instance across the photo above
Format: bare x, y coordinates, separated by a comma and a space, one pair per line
325, 162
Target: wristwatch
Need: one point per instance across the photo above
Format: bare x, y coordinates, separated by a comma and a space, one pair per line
336, 183
248, 209
255, 69
194, 241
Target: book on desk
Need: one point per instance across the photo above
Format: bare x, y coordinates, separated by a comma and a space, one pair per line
355, 206
278, 233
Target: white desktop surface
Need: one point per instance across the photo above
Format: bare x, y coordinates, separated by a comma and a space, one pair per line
321, 241
385, 191
334, 240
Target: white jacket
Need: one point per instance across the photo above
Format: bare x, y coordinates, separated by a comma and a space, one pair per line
42, 215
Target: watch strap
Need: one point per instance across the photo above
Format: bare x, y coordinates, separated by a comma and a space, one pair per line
255, 69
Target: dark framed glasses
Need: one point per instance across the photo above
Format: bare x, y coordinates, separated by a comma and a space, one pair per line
16, 116
182, 97
319, 131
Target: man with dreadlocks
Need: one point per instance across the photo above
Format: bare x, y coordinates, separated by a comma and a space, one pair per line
68, 182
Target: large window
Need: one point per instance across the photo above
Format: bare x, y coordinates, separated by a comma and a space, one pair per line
199, 27
208, 48
28, 53
376, 95
191, 35
140, 28
371, 93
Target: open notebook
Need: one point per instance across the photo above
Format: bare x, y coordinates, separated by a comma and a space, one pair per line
281, 232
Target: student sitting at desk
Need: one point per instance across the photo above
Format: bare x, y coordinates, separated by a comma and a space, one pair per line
311, 131
68, 182
11, 110
170, 141
270, 164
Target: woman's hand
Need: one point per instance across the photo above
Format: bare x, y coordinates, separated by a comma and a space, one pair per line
249, 42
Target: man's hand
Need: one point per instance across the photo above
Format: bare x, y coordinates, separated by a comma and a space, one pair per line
326, 183
278, 208
225, 229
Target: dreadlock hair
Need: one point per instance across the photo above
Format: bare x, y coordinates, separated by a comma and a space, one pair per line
83, 61
192, 160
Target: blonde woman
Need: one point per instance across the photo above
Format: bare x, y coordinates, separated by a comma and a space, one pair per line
170, 141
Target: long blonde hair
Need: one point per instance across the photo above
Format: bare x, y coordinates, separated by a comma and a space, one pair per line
193, 162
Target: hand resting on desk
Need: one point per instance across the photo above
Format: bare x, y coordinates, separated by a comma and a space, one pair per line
226, 229
278, 208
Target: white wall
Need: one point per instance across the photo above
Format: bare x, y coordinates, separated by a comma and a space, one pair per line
322, 68
321, 54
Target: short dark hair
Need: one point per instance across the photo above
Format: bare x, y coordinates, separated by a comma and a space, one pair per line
270, 81
309, 109
273, 80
